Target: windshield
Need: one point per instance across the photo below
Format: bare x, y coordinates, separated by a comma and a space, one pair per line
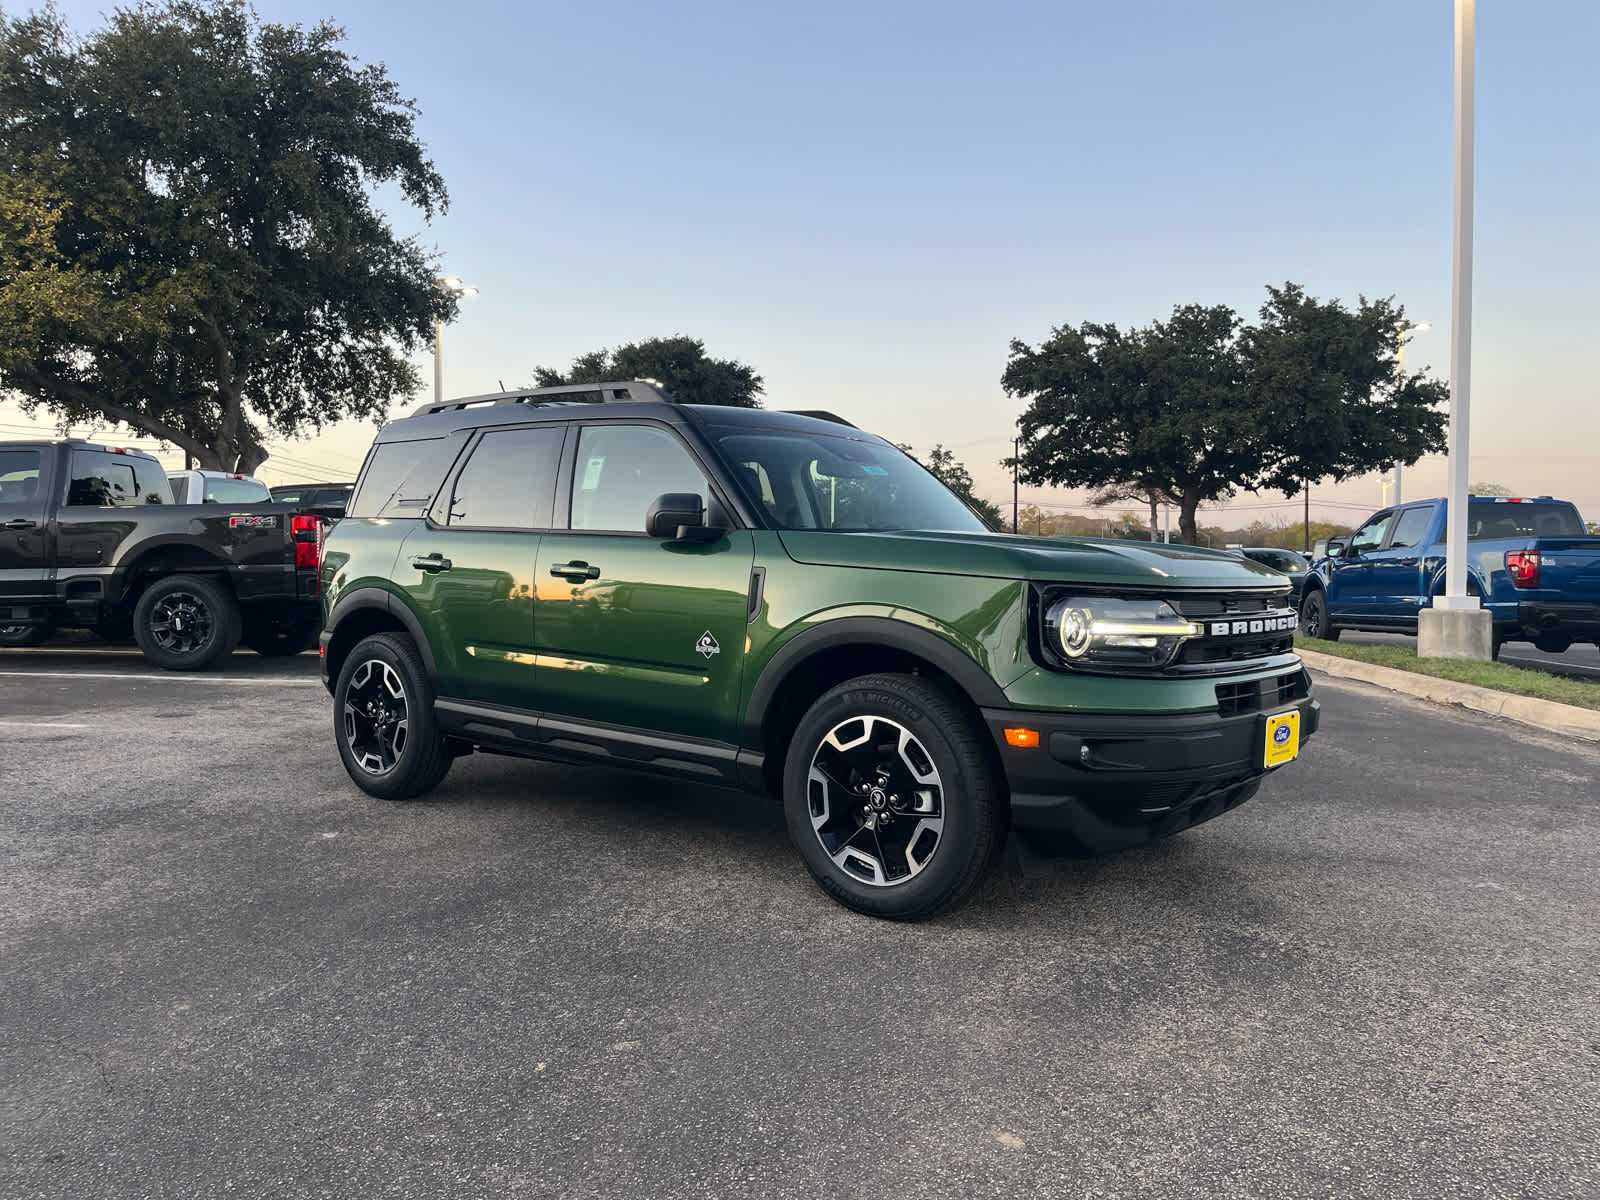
805, 480
1286, 561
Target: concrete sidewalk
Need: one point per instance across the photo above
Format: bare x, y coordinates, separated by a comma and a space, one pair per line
1566, 719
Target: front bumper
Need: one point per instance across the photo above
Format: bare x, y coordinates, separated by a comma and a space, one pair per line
1096, 784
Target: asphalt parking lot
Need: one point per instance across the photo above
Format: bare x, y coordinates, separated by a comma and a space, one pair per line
226, 971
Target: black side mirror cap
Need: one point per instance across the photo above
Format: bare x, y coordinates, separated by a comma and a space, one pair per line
678, 517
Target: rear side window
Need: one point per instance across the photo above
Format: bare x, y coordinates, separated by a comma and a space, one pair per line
401, 478
101, 480
508, 482
19, 476
1408, 530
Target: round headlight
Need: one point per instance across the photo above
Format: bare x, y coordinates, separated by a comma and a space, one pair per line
1072, 628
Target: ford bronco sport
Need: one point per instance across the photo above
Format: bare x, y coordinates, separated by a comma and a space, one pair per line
784, 603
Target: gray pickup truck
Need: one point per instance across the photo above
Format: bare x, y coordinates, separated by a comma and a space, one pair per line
89, 537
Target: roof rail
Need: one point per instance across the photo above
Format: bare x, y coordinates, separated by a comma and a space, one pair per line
615, 391
820, 414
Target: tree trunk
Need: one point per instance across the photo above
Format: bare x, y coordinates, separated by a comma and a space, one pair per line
1188, 532
1155, 525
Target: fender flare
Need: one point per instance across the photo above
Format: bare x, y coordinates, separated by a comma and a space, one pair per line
877, 631
363, 599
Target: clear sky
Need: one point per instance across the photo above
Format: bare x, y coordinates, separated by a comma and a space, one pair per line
867, 201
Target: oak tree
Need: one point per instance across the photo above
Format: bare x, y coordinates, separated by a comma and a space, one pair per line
189, 243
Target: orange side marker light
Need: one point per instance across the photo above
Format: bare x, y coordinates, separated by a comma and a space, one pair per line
1024, 738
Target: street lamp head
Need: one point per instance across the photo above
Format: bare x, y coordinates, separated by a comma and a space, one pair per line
454, 285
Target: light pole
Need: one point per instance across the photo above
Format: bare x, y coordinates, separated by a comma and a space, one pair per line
1455, 625
1405, 333
453, 285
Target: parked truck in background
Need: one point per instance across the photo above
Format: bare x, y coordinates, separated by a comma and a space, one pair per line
217, 487
89, 537
1531, 562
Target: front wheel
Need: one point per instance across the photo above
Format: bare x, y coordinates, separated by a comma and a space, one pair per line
891, 799
1314, 621
186, 622
383, 720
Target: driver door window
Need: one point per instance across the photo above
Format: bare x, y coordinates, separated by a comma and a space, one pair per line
622, 469
1370, 536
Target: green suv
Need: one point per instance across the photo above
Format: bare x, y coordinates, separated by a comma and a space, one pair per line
782, 603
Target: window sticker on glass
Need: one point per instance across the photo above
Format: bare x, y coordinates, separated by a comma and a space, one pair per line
591, 472
872, 469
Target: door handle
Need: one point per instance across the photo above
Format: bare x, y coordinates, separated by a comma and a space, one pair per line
20, 523
576, 572
431, 563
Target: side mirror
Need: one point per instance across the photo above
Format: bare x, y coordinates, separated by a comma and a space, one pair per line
676, 517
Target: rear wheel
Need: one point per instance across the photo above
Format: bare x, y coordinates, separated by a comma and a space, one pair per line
891, 799
1314, 621
186, 622
25, 635
383, 720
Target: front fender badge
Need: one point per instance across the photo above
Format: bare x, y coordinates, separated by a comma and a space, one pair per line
707, 645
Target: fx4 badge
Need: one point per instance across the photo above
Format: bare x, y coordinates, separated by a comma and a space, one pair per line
707, 645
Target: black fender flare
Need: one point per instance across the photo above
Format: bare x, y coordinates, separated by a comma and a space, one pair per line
979, 686
365, 598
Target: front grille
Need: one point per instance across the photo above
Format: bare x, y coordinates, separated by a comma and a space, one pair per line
1258, 695
1245, 647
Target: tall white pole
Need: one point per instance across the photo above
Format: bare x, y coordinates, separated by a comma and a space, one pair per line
438, 361
1460, 323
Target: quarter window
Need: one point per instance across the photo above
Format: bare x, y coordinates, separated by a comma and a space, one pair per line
622, 469
509, 480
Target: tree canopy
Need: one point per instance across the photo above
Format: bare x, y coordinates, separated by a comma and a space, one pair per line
188, 240
1201, 405
678, 363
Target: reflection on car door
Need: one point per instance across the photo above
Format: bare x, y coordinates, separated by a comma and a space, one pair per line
632, 630
1395, 570
1350, 576
468, 568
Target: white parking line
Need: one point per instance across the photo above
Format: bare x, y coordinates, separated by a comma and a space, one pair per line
173, 678
41, 725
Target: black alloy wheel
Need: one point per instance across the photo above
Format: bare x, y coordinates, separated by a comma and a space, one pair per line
892, 798
383, 722
876, 800
186, 622
376, 717
1314, 617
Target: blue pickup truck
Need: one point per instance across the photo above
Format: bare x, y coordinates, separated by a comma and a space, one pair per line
1532, 563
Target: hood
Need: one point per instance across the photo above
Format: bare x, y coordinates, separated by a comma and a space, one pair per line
1113, 563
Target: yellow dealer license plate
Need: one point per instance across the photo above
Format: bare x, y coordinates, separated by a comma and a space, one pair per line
1283, 739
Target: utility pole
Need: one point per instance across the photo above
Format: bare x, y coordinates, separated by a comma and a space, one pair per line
1307, 492
1016, 451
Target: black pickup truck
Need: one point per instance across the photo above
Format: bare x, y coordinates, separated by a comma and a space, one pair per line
89, 537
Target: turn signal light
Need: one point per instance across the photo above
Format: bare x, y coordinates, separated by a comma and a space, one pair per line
1024, 739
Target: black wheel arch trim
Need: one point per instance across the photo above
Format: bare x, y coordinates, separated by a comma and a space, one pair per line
364, 598
877, 631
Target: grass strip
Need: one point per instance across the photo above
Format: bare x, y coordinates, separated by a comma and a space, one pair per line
1501, 677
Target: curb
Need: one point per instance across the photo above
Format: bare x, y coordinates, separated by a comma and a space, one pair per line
1566, 719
